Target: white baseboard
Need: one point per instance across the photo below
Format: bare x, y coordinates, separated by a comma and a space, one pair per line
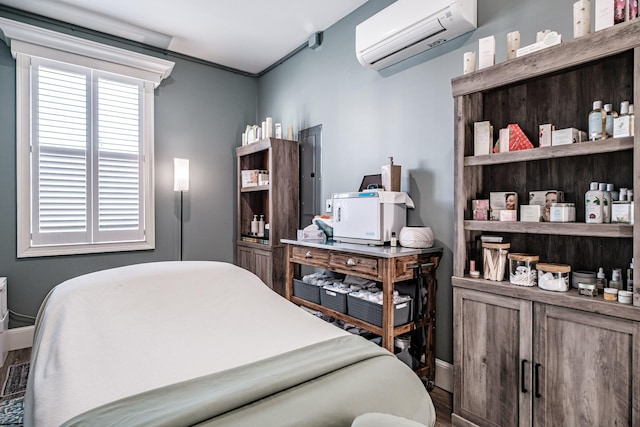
444, 375
17, 338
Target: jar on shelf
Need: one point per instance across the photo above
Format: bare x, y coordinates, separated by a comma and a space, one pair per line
553, 277
494, 256
522, 269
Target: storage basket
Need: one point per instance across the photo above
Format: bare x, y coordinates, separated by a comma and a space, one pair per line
306, 291
371, 312
333, 299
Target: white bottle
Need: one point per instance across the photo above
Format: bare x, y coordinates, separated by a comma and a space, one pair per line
261, 226
631, 120
254, 226
606, 203
610, 115
597, 122
614, 194
593, 212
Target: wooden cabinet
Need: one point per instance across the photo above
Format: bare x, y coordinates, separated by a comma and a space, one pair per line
509, 338
522, 362
384, 264
277, 200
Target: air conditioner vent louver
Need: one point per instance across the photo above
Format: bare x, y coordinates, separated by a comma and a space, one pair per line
409, 27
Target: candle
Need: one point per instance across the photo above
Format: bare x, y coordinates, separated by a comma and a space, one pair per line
269, 127
469, 62
513, 44
581, 18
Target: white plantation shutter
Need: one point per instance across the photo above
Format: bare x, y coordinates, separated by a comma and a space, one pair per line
86, 154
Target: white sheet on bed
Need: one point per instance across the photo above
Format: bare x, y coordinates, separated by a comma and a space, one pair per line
118, 332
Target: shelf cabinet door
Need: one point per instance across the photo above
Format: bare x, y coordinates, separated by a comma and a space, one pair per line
588, 369
263, 266
493, 337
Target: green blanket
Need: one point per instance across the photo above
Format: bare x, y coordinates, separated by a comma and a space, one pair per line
325, 384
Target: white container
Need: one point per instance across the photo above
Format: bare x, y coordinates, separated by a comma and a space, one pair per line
494, 257
562, 212
593, 205
553, 277
625, 297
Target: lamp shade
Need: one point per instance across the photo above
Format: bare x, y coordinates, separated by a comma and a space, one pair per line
180, 174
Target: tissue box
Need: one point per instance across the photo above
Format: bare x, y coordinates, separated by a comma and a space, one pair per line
567, 136
622, 126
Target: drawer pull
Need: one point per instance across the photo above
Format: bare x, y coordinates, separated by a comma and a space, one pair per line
308, 255
350, 262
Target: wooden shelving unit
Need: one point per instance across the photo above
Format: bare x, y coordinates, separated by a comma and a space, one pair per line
516, 349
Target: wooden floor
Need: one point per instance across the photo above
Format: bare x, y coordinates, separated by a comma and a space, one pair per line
442, 400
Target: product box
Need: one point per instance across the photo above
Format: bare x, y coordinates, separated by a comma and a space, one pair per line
531, 213
567, 136
508, 215
480, 204
481, 214
250, 177
503, 142
550, 39
622, 212
482, 138
622, 126
503, 200
544, 135
263, 178
604, 14
310, 235
486, 52
545, 198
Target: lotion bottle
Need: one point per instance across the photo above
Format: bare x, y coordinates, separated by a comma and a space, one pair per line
593, 212
610, 115
261, 226
597, 122
254, 226
606, 203
631, 120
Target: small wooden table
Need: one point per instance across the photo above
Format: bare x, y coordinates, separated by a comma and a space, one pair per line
384, 264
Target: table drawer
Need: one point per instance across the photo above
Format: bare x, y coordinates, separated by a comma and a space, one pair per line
355, 264
310, 256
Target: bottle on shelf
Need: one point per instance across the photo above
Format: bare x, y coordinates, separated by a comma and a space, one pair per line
614, 194
601, 280
630, 277
261, 226
597, 122
593, 209
606, 203
616, 279
631, 120
254, 226
610, 115
394, 240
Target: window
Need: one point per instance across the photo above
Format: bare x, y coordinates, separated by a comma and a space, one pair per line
84, 143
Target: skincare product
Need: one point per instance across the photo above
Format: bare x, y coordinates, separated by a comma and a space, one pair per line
619, 11
614, 194
394, 239
597, 122
522, 269
486, 52
616, 279
469, 62
261, 226
606, 203
610, 115
603, 14
544, 135
562, 212
553, 277
601, 280
513, 44
254, 226
630, 277
279, 130
482, 138
621, 211
625, 297
587, 289
622, 123
390, 176
581, 18
610, 294
593, 212
269, 123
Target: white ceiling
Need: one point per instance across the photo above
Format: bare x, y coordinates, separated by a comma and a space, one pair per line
248, 35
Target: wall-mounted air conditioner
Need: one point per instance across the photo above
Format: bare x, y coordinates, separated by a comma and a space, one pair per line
408, 27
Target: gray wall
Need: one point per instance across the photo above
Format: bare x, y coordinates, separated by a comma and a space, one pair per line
405, 111
200, 112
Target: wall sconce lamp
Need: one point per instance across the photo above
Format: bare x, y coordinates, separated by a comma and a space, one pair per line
181, 184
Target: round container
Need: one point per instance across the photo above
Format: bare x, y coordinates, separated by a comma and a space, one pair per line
494, 256
610, 294
522, 269
562, 212
625, 297
553, 277
582, 277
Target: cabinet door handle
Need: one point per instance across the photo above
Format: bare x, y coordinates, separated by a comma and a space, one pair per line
537, 380
350, 262
523, 387
308, 255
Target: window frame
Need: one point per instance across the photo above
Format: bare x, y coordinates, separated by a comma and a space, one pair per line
27, 41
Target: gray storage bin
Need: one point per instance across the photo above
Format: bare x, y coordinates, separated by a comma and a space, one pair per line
372, 313
306, 291
333, 299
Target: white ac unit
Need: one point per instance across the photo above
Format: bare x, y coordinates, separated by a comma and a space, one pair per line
408, 27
